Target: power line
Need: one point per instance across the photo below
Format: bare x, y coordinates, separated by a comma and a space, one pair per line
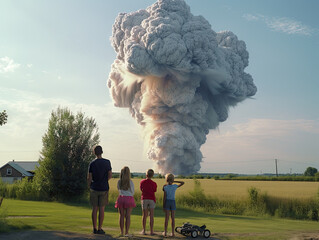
262, 160
299, 162
235, 161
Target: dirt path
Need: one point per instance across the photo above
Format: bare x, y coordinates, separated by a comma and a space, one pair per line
292, 236
59, 235
49, 235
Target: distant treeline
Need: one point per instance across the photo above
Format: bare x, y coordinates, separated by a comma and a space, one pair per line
196, 176
270, 178
230, 176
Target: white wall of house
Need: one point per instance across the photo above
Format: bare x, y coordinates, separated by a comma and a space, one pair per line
10, 179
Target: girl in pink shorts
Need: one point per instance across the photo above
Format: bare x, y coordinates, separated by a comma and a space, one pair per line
125, 201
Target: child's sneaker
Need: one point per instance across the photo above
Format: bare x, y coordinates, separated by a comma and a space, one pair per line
100, 231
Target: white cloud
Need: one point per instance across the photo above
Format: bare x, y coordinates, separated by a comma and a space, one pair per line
29, 109
288, 26
250, 17
256, 135
28, 116
270, 128
261, 141
7, 65
282, 24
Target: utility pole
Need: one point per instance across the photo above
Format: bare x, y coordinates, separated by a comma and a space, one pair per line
276, 167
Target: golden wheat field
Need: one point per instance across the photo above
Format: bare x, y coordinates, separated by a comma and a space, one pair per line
224, 189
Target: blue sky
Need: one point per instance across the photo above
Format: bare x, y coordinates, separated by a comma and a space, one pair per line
58, 53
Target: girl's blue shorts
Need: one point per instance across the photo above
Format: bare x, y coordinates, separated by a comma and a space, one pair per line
170, 205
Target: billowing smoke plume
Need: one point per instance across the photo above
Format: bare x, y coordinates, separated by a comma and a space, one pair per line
178, 78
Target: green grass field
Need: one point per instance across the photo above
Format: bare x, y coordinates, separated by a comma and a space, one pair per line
49, 216
53, 216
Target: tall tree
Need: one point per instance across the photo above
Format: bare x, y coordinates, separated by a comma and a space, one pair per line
3, 117
66, 153
310, 171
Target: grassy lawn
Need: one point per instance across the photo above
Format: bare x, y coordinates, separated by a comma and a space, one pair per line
31, 215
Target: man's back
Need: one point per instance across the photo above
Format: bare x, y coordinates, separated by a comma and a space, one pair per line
100, 168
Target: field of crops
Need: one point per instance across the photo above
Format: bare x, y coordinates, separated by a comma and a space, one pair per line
238, 189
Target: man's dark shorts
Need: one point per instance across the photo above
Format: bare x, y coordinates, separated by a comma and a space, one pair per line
99, 198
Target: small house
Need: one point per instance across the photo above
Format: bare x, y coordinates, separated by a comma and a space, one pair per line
17, 170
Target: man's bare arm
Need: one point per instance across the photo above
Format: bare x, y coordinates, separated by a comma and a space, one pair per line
109, 175
89, 179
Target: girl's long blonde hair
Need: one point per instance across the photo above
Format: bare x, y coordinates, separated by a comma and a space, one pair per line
125, 178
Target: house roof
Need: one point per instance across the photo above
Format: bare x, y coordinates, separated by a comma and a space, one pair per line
24, 167
29, 166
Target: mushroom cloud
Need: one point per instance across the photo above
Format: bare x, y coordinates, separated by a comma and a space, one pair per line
178, 77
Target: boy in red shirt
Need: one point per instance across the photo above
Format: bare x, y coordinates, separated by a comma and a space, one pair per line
148, 188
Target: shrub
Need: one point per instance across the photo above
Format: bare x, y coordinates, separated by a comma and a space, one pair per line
2, 188
259, 204
313, 215
253, 195
24, 190
27, 190
195, 198
298, 209
11, 190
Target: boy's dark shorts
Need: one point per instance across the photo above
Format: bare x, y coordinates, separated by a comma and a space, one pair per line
99, 198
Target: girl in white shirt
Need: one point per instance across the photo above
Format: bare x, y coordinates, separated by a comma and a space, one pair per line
125, 201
